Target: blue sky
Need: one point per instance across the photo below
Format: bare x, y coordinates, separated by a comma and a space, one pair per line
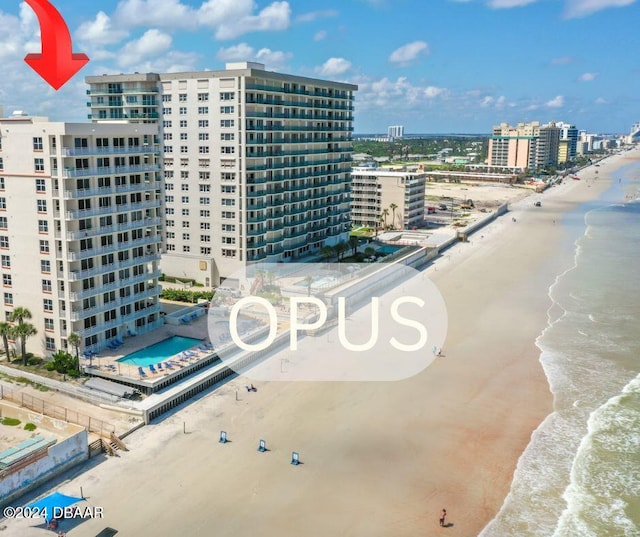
433, 66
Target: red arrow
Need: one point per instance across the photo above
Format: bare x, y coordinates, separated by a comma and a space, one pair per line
56, 64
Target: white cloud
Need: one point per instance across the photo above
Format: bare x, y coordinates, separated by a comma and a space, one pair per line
152, 43
498, 103
556, 102
506, 4
233, 18
400, 94
588, 77
601, 100
321, 35
100, 31
315, 15
583, 8
273, 59
228, 18
409, 52
334, 67
563, 60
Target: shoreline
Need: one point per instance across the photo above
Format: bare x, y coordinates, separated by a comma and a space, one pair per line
380, 458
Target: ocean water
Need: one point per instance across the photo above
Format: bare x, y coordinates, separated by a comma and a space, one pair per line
580, 474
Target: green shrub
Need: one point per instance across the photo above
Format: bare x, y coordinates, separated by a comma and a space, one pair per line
12, 422
35, 360
181, 295
30, 427
62, 362
72, 372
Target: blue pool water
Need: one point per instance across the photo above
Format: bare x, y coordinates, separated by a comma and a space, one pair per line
160, 351
386, 249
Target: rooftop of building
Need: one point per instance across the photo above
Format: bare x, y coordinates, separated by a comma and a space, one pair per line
250, 69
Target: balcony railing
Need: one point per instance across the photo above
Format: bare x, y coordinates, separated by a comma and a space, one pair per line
115, 247
99, 151
75, 275
104, 170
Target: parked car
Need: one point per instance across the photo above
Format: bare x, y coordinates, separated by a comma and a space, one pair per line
538, 204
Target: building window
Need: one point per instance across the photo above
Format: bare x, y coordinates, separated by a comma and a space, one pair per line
185, 212
228, 214
204, 188
186, 237
205, 250
48, 325
6, 261
227, 96
184, 199
8, 299
45, 266
204, 162
43, 226
168, 136
226, 122
41, 186
205, 213
46, 286
228, 240
44, 247
184, 149
37, 144
183, 136
38, 164
205, 238
183, 110
168, 199
227, 136
2, 168
171, 235
185, 223
203, 97
203, 109
203, 149
171, 247
184, 187
228, 227
182, 97
3, 203
183, 123
3, 222
228, 253
203, 136
204, 176
6, 280
228, 189
230, 202
227, 149
203, 123
167, 123
4, 241
186, 248
205, 201
166, 111
42, 206
226, 109
50, 343
205, 225
166, 98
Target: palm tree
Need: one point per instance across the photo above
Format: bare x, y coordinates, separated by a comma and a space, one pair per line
353, 242
308, 279
19, 314
393, 207
24, 331
385, 213
6, 331
74, 340
380, 220
327, 252
341, 248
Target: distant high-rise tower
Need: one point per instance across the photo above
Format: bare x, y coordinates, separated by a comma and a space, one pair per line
396, 131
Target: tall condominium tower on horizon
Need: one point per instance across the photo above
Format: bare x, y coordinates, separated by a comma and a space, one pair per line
256, 163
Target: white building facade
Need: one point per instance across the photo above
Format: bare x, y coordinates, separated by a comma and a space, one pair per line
80, 229
256, 163
401, 194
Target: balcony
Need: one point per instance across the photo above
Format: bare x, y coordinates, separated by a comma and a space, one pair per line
107, 230
115, 247
86, 293
104, 170
112, 209
75, 275
100, 151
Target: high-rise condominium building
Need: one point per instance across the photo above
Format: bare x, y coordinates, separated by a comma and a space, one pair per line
80, 229
514, 147
402, 194
396, 131
256, 163
568, 142
548, 146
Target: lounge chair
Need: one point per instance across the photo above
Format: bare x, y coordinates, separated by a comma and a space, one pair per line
194, 315
168, 365
184, 320
141, 371
159, 366
153, 369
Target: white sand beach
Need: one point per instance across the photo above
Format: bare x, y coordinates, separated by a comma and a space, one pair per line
379, 459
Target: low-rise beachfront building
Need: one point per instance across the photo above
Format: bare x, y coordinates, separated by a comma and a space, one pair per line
256, 163
81, 229
375, 189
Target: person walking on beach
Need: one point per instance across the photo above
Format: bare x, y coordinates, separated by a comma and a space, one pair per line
442, 517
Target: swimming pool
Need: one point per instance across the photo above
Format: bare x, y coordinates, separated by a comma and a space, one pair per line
388, 249
161, 351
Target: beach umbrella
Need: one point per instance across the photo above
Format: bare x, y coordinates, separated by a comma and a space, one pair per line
50, 505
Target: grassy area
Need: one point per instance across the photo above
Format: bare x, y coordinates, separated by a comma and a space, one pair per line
11, 422
364, 232
30, 427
